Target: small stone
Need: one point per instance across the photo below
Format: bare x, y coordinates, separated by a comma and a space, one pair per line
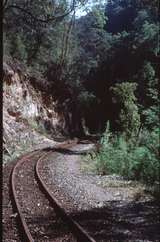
126, 232
117, 194
100, 205
14, 215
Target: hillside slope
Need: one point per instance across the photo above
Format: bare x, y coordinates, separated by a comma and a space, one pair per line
29, 117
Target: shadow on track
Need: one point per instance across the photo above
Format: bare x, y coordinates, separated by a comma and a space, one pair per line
118, 221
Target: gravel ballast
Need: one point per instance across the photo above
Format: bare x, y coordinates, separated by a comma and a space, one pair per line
107, 206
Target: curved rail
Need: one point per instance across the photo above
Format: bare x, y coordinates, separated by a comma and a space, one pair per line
80, 233
27, 235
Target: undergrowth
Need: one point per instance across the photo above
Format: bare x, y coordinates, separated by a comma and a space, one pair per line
38, 127
135, 159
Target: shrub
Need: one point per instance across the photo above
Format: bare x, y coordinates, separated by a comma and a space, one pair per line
18, 49
129, 118
137, 162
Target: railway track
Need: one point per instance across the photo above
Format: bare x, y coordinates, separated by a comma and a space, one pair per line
41, 216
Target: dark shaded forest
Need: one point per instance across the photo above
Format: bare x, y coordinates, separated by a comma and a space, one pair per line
102, 70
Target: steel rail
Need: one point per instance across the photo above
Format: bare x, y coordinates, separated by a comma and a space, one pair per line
76, 228
79, 232
26, 233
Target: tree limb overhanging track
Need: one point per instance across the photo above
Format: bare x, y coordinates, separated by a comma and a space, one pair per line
23, 165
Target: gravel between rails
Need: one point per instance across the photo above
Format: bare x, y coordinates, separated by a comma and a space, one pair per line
111, 217
109, 214
39, 215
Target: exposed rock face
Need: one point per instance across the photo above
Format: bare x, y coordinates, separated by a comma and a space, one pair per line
20, 96
27, 111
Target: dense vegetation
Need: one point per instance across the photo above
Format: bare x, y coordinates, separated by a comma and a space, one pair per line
102, 67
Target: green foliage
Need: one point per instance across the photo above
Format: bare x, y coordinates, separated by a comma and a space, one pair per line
129, 119
148, 35
150, 110
18, 49
6, 46
85, 63
39, 127
86, 99
152, 116
100, 16
42, 26
137, 161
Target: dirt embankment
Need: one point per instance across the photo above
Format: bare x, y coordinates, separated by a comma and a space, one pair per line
29, 117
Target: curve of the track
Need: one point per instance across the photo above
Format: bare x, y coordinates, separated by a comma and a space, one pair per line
21, 171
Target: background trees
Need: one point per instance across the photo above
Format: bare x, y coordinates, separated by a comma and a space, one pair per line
83, 58
100, 67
